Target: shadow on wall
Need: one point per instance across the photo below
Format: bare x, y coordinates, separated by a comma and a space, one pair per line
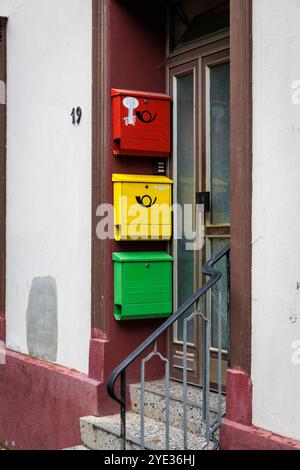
41, 319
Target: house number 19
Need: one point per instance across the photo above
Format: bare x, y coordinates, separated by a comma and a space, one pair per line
76, 115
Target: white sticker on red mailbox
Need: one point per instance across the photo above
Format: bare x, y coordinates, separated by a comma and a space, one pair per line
131, 104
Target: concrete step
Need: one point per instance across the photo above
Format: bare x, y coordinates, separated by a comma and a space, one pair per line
155, 404
80, 447
104, 434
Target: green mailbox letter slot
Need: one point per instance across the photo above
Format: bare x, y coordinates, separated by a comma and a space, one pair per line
142, 285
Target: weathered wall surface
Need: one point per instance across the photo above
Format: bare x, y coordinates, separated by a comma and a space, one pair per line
49, 62
276, 227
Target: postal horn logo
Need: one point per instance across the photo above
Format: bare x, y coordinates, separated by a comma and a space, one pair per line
146, 201
146, 117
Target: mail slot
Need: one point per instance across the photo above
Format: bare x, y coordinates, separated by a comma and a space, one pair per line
142, 207
142, 285
141, 123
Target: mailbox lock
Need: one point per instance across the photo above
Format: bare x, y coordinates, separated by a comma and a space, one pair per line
147, 265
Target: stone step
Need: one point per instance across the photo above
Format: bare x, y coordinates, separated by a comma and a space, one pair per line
155, 404
104, 434
80, 447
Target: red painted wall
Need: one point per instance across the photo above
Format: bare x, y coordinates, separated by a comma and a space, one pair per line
40, 403
235, 436
137, 61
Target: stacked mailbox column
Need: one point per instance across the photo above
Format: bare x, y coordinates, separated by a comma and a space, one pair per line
142, 280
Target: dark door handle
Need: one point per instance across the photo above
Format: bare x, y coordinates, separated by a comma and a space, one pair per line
204, 199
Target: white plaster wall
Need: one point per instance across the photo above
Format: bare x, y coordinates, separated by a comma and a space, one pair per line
276, 220
49, 167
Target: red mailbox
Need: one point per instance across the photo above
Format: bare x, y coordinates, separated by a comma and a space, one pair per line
141, 123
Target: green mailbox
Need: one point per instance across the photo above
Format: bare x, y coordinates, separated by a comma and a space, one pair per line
142, 285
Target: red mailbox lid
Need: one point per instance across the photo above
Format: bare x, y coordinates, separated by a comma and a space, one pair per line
142, 94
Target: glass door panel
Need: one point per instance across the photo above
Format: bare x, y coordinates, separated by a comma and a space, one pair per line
184, 89
216, 76
219, 143
185, 189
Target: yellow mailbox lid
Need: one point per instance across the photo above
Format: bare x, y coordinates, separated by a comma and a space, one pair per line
120, 178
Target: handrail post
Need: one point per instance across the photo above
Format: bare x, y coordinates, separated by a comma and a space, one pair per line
123, 409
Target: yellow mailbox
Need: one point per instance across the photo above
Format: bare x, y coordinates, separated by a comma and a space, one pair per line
142, 207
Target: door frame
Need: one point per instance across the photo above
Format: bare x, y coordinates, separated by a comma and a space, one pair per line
3, 156
241, 111
240, 38
177, 65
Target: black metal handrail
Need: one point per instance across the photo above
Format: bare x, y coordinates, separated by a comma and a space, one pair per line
120, 370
